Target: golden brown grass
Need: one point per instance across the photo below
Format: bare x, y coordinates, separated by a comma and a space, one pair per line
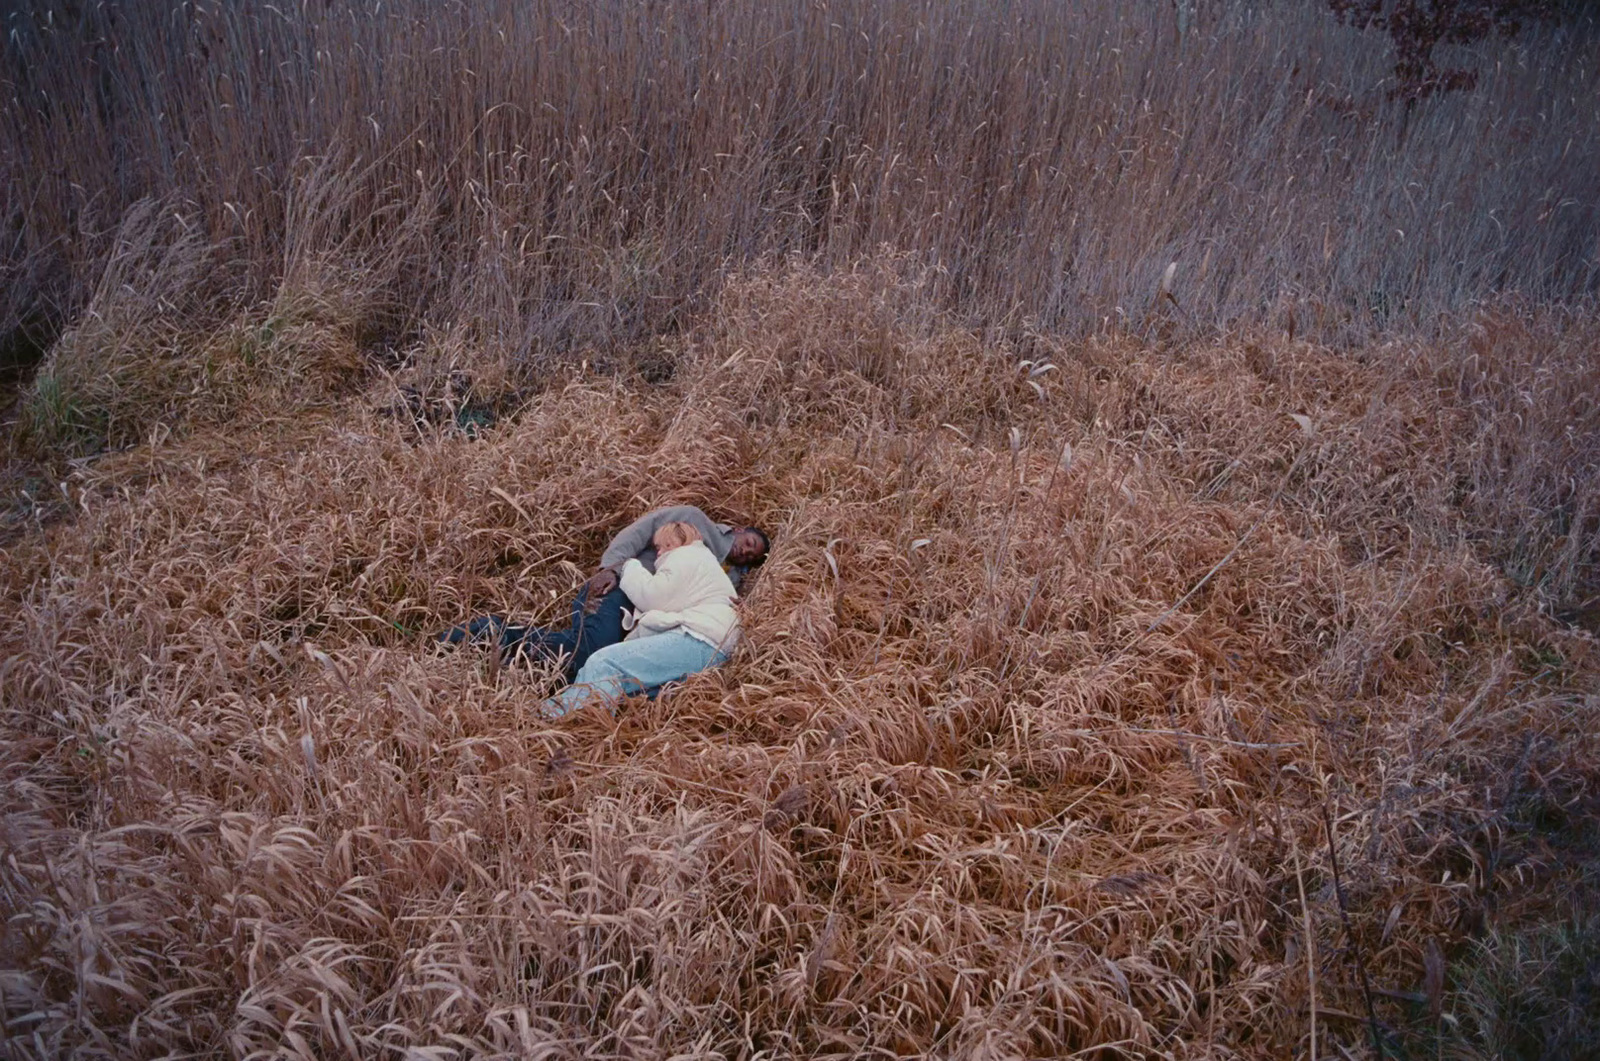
1064, 652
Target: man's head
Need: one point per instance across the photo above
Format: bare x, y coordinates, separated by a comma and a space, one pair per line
750, 547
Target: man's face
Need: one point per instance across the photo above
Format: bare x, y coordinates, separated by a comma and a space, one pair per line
747, 548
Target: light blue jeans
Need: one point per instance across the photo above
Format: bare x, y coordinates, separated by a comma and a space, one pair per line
631, 667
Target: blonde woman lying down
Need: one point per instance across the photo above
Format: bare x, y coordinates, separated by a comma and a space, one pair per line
685, 623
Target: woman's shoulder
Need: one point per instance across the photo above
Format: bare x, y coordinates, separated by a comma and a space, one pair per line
700, 555
694, 554
697, 557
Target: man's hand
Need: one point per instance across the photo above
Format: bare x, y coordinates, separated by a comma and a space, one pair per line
600, 583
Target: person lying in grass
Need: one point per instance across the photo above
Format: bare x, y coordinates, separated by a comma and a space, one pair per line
598, 609
686, 623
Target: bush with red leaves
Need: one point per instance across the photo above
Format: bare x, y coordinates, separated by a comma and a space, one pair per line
1417, 27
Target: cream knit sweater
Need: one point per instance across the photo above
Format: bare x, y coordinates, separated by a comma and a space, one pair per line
689, 591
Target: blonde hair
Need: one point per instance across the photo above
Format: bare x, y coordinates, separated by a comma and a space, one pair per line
670, 536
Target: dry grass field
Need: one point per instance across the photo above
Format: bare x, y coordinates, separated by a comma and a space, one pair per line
1190, 663
1062, 671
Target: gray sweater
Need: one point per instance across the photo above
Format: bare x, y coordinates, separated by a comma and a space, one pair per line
634, 541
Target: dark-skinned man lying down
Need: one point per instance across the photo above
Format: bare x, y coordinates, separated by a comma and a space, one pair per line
597, 611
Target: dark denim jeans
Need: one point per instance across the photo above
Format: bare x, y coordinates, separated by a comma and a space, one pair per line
586, 635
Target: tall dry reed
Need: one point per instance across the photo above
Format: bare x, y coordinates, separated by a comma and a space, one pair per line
562, 173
